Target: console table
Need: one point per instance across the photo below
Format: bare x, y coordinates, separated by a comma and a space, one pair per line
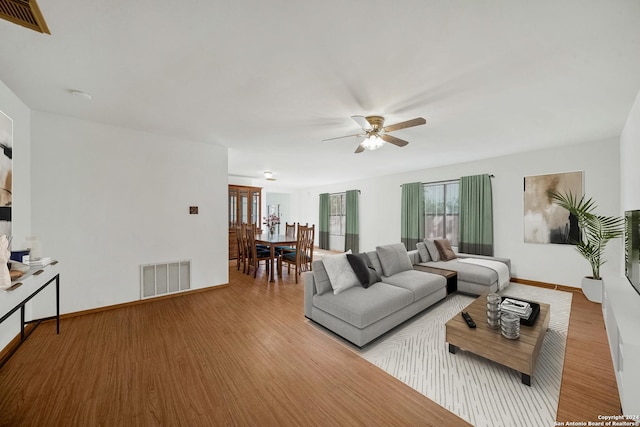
28, 286
450, 275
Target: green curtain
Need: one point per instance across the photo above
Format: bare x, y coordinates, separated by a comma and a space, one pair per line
476, 215
352, 235
323, 225
412, 215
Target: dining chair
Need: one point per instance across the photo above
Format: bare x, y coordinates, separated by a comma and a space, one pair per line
294, 226
302, 257
246, 253
240, 244
290, 232
290, 229
260, 245
255, 254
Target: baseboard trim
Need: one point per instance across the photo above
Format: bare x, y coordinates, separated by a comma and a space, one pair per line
138, 302
546, 285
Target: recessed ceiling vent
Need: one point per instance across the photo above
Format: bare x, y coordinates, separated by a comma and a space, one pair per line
25, 13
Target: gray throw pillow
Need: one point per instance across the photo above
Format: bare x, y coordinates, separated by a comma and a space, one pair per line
394, 259
433, 250
423, 252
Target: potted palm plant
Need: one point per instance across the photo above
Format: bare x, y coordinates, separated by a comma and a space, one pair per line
595, 233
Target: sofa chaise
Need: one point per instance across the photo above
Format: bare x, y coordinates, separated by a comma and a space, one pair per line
476, 274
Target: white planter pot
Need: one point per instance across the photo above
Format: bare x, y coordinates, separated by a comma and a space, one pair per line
592, 289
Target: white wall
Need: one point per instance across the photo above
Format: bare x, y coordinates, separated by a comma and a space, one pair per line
558, 264
106, 200
13, 107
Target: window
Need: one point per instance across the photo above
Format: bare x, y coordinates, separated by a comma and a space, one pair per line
337, 214
441, 213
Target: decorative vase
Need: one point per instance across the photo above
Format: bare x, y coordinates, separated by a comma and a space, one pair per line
493, 310
592, 289
272, 230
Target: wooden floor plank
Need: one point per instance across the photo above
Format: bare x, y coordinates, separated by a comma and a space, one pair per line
244, 355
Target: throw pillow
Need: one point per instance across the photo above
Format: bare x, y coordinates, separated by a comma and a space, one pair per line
394, 259
444, 249
433, 250
360, 268
374, 276
340, 272
364, 270
423, 252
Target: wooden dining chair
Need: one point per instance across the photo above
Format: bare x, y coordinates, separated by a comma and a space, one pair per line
302, 257
290, 229
240, 245
246, 253
256, 254
289, 232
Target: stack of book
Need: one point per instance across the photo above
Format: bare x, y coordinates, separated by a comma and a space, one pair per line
519, 308
40, 262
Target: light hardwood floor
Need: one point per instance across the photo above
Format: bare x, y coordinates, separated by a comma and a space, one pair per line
243, 355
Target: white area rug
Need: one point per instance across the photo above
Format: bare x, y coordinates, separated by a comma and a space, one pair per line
482, 392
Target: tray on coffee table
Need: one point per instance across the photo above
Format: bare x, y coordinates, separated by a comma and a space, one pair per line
535, 310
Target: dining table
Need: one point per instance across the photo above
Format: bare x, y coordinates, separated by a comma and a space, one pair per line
273, 240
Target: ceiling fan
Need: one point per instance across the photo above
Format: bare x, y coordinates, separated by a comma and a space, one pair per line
376, 134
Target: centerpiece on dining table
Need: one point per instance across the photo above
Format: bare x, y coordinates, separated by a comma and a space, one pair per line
271, 221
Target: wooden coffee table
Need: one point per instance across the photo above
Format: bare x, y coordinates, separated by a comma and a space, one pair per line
519, 354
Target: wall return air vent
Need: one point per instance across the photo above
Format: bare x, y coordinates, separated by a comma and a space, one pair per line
164, 278
25, 13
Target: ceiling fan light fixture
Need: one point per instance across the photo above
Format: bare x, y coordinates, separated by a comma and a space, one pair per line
373, 142
268, 174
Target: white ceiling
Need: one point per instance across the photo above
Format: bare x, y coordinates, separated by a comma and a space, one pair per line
271, 78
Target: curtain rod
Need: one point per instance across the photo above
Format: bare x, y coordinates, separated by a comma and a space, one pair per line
341, 192
445, 180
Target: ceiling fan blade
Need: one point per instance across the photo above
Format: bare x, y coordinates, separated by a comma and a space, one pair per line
403, 125
393, 140
360, 149
362, 122
340, 137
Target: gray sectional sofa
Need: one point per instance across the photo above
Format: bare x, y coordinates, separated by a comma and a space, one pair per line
360, 314
361, 310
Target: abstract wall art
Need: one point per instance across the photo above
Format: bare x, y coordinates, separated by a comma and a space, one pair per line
545, 221
6, 173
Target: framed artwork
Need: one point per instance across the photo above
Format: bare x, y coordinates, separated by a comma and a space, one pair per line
6, 173
545, 221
